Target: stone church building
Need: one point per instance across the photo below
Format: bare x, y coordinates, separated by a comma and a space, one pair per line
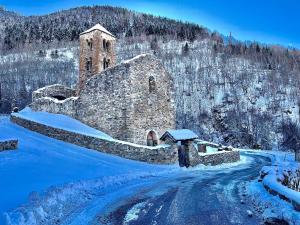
131, 101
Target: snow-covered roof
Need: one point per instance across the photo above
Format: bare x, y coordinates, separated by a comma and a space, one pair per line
179, 135
98, 27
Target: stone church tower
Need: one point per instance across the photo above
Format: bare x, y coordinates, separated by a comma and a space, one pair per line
97, 52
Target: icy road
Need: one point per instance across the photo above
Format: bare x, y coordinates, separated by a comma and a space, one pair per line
194, 197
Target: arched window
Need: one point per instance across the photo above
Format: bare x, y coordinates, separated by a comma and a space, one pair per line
91, 44
152, 139
108, 46
91, 64
88, 64
104, 44
104, 63
152, 84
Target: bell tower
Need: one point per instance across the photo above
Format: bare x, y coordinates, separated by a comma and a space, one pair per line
97, 52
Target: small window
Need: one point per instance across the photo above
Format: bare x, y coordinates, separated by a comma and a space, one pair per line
91, 44
104, 44
108, 46
91, 64
152, 84
88, 64
104, 63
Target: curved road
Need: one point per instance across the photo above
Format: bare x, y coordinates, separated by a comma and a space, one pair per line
213, 200
193, 197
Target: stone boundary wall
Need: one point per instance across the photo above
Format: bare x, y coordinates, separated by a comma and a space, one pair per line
8, 144
217, 158
53, 90
165, 154
51, 105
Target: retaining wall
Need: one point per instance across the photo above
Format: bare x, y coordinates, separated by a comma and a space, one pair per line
164, 154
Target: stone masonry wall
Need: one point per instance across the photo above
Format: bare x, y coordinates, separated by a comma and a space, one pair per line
44, 99
150, 109
161, 154
98, 53
51, 105
217, 158
52, 91
104, 101
8, 144
118, 101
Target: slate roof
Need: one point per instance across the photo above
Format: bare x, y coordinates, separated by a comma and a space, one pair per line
98, 27
179, 135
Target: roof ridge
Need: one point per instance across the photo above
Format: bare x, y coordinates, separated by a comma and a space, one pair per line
99, 27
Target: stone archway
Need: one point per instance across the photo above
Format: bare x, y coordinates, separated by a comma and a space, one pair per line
152, 139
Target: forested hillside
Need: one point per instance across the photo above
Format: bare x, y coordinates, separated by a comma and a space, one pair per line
65, 26
229, 91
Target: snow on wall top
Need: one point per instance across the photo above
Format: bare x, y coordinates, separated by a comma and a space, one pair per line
179, 135
136, 58
60, 121
98, 27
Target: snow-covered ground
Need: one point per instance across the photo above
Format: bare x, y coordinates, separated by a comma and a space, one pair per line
45, 180
60, 121
51, 171
272, 206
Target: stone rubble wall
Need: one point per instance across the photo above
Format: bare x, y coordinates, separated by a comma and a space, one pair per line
53, 90
51, 105
216, 158
97, 54
8, 144
165, 154
119, 102
212, 159
44, 99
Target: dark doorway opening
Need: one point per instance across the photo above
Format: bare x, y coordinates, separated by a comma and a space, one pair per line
183, 155
152, 139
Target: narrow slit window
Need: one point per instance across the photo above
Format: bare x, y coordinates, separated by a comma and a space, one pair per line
152, 84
